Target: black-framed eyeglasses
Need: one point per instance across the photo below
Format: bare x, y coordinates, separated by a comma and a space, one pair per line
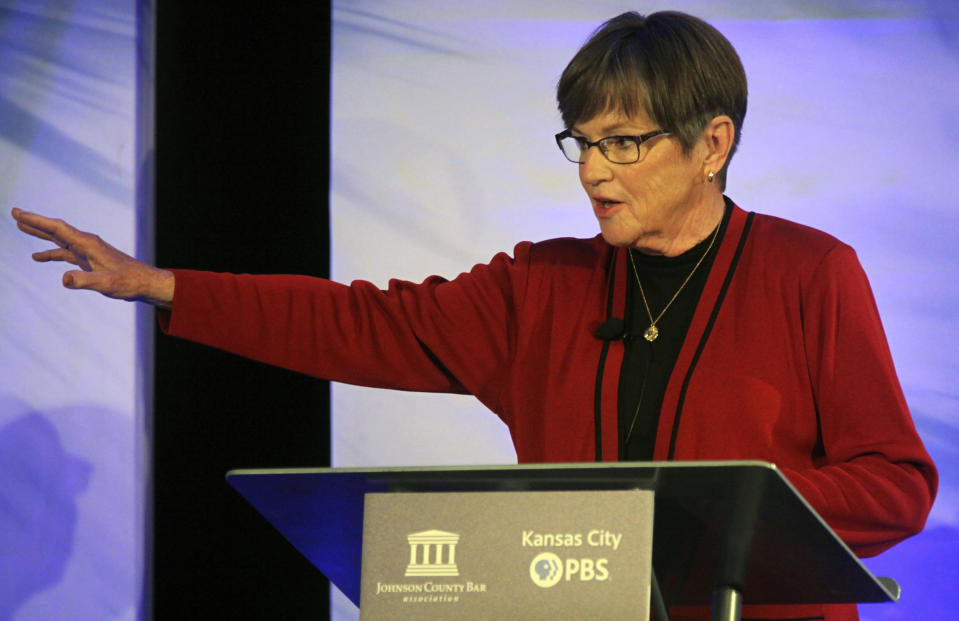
617, 149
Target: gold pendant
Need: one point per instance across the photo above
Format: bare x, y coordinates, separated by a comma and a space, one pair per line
651, 333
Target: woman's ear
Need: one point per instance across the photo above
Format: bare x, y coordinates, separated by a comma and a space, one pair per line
718, 137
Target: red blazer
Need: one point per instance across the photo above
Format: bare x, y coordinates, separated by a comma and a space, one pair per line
785, 361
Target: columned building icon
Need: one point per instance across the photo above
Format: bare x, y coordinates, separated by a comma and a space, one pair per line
432, 553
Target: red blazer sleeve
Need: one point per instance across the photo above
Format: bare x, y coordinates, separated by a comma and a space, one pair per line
434, 336
875, 483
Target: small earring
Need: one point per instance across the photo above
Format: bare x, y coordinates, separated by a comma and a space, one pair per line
711, 176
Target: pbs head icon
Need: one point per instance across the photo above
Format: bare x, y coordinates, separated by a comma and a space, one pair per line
546, 569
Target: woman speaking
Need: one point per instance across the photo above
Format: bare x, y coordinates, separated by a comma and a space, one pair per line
688, 329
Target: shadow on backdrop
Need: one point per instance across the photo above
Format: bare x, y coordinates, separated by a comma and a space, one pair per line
39, 485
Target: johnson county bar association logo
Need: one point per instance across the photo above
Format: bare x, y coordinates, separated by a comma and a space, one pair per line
432, 553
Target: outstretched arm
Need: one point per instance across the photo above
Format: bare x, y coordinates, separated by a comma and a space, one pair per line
103, 268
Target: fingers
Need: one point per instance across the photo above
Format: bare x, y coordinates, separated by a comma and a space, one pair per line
36, 232
56, 254
94, 281
50, 229
84, 250
32, 223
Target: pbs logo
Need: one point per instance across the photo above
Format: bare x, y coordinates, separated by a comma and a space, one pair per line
547, 569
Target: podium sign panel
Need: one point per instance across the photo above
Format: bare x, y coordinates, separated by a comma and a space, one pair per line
507, 555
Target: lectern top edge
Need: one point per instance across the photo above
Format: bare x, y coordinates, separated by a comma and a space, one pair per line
598, 466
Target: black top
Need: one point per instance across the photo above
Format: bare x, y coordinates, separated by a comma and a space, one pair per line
648, 365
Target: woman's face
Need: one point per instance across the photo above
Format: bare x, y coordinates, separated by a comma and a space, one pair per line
646, 205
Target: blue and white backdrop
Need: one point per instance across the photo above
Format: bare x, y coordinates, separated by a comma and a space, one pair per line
71, 492
442, 156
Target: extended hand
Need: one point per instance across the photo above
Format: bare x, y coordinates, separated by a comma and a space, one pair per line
103, 268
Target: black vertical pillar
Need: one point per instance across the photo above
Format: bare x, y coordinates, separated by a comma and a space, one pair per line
242, 143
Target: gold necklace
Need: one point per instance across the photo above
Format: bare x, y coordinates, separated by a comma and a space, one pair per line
652, 332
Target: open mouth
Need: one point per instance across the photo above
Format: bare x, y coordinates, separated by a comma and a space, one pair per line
605, 207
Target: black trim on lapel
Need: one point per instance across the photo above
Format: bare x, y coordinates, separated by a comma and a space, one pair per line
598, 392
706, 332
